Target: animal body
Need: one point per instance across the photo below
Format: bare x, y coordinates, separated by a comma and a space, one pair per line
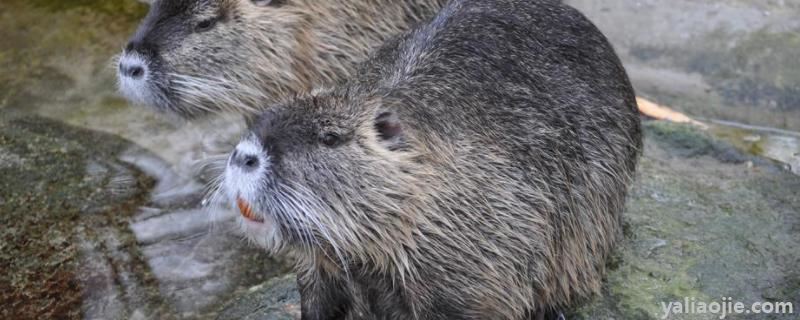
475, 167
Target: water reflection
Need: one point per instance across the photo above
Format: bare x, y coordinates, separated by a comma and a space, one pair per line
189, 261
779, 145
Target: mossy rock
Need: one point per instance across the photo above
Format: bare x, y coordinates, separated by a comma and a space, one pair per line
701, 226
56, 178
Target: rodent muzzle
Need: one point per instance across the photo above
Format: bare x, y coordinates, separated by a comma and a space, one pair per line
133, 63
135, 79
132, 67
245, 170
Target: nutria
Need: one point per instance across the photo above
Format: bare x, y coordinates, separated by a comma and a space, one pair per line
189, 57
475, 167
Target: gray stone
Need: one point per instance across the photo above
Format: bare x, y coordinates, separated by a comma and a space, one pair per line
716, 229
60, 185
727, 59
277, 299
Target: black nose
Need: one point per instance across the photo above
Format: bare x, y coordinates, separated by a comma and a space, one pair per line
137, 51
134, 70
247, 162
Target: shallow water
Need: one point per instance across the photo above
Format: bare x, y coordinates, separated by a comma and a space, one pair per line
778, 145
103, 199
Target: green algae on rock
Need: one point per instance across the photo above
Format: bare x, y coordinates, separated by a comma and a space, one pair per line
87, 235
69, 54
130, 10
704, 227
55, 176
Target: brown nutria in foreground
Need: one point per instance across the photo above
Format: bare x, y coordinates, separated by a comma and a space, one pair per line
474, 168
189, 57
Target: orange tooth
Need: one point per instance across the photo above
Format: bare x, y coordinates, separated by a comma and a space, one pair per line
244, 208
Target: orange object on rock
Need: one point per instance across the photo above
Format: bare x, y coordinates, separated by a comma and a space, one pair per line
653, 110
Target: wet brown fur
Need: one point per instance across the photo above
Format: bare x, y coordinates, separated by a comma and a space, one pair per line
262, 54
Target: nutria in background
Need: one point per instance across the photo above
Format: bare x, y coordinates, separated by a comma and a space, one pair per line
190, 57
474, 168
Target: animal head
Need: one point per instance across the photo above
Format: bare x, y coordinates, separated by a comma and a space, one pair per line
194, 56
327, 173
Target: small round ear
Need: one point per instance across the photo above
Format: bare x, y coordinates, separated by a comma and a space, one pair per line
389, 129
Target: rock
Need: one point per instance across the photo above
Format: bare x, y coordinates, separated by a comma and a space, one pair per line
87, 234
56, 179
717, 228
277, 299
722, 59
98, 226
699, 223
197, 268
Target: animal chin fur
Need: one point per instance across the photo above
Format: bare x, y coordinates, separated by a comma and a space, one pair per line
246, 187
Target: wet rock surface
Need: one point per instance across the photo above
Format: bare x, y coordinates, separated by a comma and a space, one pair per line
59, 184
706, 221
276, 299
83, 237
727, 59
96, 226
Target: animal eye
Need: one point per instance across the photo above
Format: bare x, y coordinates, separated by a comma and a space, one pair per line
330, 139
205, 25
264, 3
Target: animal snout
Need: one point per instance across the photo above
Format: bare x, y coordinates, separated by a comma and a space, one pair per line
135, 71
132, 67
244, 160
247, 166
